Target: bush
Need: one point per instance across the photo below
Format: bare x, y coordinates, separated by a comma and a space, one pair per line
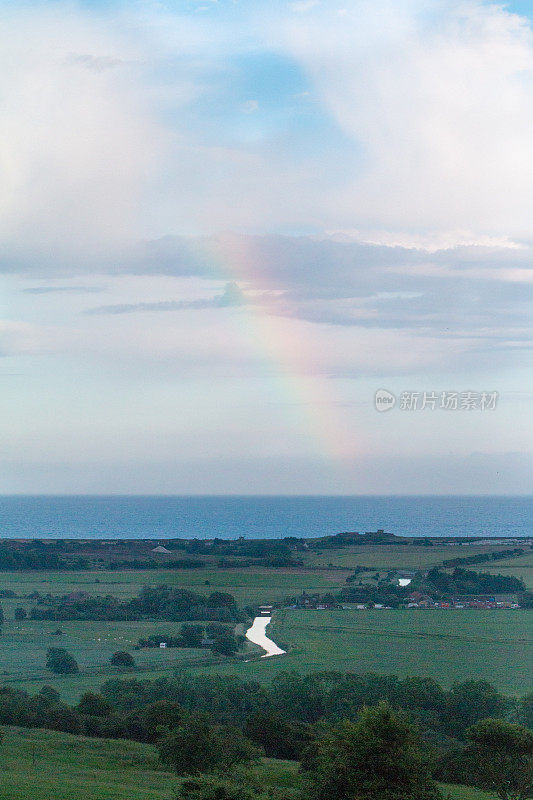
122, 659
95, 705
61, 662
197, 746
225, 644
376, 758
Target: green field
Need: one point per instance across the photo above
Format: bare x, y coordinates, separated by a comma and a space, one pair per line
248, 586
23, 653
45, 765
412, 556
448, 645
522, 567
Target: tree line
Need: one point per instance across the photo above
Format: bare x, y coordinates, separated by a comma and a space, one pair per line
365, 736
158, 602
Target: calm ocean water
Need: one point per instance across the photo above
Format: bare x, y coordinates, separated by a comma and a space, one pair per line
98, 517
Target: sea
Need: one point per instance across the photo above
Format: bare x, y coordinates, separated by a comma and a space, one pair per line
261, 517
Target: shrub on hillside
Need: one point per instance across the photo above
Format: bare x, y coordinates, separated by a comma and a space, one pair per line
122, 659
61, 661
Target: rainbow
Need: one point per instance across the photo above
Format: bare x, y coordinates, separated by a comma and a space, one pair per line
286, 347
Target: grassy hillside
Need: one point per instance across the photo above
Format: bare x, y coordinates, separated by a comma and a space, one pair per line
45, 765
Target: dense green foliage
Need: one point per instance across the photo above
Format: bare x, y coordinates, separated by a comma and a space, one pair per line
218, 637
462, 581
197, 746
203, 724
61, 555
504, 758
377, 757
35, 555
60, 661
162, 602
208, 787
280, 718
483, 558
497, 758
122, 659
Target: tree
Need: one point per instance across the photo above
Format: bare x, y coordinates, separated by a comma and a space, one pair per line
471, 701
60, 661
20, 614
503, 755
196, 746
161, 717
192, 635
122, 659
226, 644
50, 694
95, 705
279, 737
375, 758
218, 599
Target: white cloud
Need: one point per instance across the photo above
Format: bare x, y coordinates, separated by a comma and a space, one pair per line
77, 141
438, 98
97, 147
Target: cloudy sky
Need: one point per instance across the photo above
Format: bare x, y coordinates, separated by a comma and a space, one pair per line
225, 224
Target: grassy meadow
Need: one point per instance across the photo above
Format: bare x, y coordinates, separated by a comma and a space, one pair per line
448, 645
247, 585
396, 556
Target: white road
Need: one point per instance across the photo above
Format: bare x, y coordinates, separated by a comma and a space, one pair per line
257, 634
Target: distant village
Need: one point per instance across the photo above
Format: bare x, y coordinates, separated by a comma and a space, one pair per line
413, 601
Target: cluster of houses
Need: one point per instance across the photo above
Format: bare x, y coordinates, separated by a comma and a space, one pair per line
419, 600
414, 600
